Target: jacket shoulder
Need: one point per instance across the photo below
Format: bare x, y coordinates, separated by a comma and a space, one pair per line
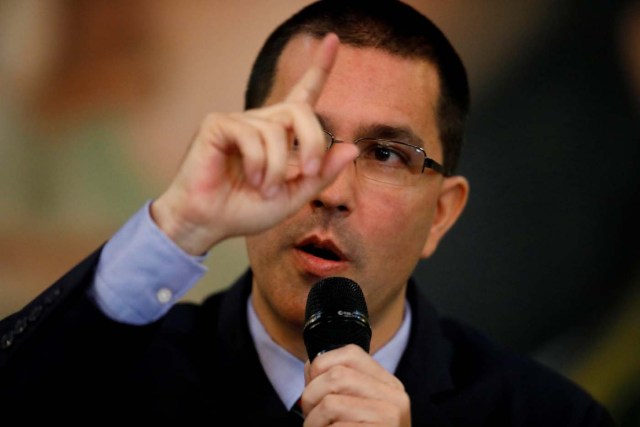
518, 384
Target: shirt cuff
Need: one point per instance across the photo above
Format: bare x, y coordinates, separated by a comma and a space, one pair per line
142, 273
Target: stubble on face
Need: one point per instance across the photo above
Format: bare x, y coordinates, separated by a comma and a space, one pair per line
388, 227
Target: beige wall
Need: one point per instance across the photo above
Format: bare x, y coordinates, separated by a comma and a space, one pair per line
98, 101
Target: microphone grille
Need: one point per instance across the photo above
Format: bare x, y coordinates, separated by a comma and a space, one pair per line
336, 315
335, 293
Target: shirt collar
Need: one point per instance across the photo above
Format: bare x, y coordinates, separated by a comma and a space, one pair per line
286, 372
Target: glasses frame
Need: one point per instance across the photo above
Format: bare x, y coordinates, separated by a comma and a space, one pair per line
428, 163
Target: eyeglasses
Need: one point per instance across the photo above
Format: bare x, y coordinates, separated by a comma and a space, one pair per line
383, 160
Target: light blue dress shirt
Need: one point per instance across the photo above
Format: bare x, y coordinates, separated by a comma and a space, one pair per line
142, 273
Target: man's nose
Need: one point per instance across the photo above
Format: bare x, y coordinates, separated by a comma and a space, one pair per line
340, 194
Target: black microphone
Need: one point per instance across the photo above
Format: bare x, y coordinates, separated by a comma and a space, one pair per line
336, 315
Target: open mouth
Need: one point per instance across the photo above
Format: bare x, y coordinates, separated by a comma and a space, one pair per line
322, 249
320, 252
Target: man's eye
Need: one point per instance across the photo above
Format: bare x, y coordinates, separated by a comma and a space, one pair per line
384, 154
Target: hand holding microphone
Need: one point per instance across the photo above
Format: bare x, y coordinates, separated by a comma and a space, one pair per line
343, 382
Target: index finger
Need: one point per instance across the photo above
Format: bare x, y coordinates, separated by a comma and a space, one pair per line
310, 85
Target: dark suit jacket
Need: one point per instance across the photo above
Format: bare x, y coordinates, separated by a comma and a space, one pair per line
61, 358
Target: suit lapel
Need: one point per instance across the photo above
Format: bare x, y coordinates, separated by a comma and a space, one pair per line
424, 368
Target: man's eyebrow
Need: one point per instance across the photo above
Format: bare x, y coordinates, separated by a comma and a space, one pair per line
396, 133
378, 131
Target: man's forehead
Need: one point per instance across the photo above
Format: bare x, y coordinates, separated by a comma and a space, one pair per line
363, 62
298, 52
369, 88
385, 130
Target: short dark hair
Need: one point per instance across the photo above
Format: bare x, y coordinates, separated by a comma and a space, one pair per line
389, 25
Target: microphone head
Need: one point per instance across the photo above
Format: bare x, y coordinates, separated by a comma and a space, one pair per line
336, 315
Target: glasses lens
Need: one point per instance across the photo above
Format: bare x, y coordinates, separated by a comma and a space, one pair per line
389, 162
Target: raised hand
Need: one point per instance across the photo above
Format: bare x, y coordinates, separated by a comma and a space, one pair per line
347, 386
234, 179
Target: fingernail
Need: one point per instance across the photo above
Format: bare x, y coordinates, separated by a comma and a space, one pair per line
312, 167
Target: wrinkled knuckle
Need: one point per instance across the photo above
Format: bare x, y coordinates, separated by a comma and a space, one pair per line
339, 376
353, 350
398, 384
330, 401
401, 407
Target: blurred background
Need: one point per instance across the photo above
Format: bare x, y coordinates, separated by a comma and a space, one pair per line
100, 98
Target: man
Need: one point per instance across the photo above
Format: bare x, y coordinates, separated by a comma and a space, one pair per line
342, 165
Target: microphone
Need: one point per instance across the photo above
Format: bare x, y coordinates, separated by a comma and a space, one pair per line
336, 315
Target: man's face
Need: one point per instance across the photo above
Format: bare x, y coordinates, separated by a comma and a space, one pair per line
370, 232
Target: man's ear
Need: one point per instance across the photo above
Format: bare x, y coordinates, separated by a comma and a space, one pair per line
451, 202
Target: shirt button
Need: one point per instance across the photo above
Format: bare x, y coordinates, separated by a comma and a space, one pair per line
34, 313
20, 326
164, 295
6, 341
